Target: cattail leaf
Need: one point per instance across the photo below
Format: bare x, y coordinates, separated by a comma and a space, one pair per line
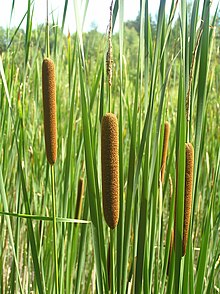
115, 13
92, 190
120, 227
201, 101
5, 205
205, 237
82, 249
2, 72
64, 13
31, 235
180, 183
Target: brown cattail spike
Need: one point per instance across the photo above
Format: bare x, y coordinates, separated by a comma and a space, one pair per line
49, 104
79, 198
165, 148
110, 169
188, 192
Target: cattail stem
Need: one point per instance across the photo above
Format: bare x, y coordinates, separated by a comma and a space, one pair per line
112, 263
108, 265
165, 149
54, 230
170, 251
188, 193
110, 182
50, 132
109, 98
47, 32
109, 60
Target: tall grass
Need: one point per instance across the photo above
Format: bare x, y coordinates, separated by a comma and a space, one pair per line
175, 79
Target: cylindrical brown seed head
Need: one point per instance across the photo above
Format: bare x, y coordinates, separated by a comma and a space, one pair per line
49, 105
79, 198
165, 148
110, 169
188, 193
170, 251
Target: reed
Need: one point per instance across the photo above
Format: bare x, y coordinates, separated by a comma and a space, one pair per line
165, 149
49, 105
110, 169
50, 134
188, 193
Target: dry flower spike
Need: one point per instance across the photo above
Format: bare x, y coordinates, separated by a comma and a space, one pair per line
49, 105
110, 169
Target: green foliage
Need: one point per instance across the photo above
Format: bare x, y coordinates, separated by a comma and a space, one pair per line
3, 40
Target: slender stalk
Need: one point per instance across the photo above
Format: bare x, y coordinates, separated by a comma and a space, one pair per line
112, 259
109, 98
54, 230
109, 59
47, 32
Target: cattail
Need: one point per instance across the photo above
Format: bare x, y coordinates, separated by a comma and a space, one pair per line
170, 252
79, 198
165, 148
110, 169
49, 104
188, 193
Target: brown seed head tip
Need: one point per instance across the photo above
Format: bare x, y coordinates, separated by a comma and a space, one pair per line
49, 105
188, 192
165, 149
110, 169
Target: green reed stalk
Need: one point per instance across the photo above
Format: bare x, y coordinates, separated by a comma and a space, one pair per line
54, 230
47, 33
112, 261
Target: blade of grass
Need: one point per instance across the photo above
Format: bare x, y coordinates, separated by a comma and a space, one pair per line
5, 205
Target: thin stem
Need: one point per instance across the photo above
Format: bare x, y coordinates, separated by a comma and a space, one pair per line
112, 258
54, 230
109, 98
47, 32
188, 131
